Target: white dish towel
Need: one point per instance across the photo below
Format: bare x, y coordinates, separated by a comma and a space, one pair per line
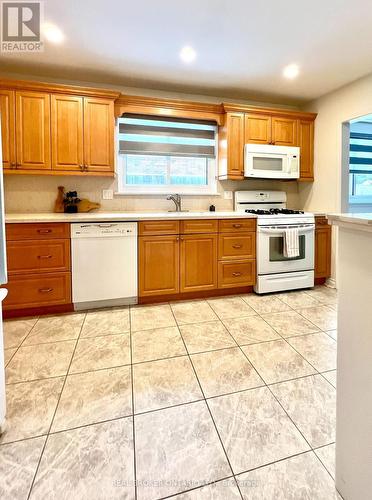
291, 247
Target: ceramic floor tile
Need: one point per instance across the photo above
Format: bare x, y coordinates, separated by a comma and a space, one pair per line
323, 317
202, 337
311, 404
331, 377
221, 490
92, 397
264, 304
231, 307
318, 349
332, 333
194, 311
290, 323
101, 352
250, 330
163, 383
158, 343
106, 322
150, 317
94, 462
8, 354
323, 294
18, 462
327, 455
276, 361
254, 429
298, 299
30, 408
221, 372
177, 449
55, 328
40, 361
16, 330
297, 478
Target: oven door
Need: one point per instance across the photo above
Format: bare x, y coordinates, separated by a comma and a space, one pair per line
270, 244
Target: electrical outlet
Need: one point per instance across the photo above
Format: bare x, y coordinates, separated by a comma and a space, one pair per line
228, 195
107, 194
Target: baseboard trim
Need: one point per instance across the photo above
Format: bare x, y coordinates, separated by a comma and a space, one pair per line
37, 311
195, 295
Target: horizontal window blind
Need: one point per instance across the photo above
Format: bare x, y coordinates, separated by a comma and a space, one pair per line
360, 153
139, 134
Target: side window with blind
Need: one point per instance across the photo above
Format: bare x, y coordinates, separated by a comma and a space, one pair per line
360, 162
166, 155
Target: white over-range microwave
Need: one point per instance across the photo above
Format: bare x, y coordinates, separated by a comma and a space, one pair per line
271, 162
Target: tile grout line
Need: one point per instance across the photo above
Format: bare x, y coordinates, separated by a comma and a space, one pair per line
55, 410
205, 400
132, 395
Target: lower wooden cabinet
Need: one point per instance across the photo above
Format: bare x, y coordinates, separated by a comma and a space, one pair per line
198, 262
323, 237
158, 263
237, 273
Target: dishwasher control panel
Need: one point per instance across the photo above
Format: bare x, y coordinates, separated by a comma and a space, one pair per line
103, 229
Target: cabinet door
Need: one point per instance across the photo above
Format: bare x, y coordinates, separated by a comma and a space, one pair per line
198, 262
323, 252
7, 112
67, 132
33, 130
235, 145
284, 131
257, 129
306, 143
158, 265
99, 125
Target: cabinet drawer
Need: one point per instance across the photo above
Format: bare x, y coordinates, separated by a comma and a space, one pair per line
154, 227
38, 256
36, 290
199, 226
32, 231
237, 273
236, 225
232, 246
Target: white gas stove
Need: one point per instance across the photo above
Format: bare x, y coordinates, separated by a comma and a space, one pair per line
275, 271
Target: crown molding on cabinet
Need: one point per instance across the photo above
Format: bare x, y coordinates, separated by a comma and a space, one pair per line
240, 108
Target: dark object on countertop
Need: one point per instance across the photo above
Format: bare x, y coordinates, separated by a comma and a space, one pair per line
71, 202
212, 208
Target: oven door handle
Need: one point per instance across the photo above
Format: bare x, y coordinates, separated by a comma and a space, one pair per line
280, 230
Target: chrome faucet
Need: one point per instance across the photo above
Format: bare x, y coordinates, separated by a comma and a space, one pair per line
176, 198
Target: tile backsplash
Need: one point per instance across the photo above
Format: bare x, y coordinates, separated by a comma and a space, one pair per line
32, 193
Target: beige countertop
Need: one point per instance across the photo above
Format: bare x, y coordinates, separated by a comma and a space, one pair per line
364, 219
121, 216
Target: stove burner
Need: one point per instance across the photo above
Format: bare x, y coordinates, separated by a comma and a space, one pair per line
274, 211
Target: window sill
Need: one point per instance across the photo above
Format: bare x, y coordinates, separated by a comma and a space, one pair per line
167, 193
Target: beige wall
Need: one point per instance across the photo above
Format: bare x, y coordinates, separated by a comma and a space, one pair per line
324, 195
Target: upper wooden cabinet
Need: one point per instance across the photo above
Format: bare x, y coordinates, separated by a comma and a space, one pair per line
7, 112
33, 131
55, 129
264, 126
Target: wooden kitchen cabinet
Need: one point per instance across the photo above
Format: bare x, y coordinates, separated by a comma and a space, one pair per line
99, 134
323, 239
231, 147
7, 112
67, 132
158, 265
33, 131
284, 131
306, 143
257, 128
198, 262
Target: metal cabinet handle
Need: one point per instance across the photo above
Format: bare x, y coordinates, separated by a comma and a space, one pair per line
45, 290
44, 231
236, 274
44, 256
237, 246
237, 225
13, 165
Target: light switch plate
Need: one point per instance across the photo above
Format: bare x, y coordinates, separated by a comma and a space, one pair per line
107, 194
228, 195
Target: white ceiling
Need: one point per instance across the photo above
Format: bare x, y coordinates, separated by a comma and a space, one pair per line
242, 46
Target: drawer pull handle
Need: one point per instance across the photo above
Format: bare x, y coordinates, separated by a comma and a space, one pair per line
236, 274
44, 256
237, 225
237, 246
44, 231
45, 290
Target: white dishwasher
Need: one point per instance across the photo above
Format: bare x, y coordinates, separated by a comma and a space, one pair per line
104, 264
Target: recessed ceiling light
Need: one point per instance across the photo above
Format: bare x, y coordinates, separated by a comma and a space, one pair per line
52, 33
291, 71
187, 54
